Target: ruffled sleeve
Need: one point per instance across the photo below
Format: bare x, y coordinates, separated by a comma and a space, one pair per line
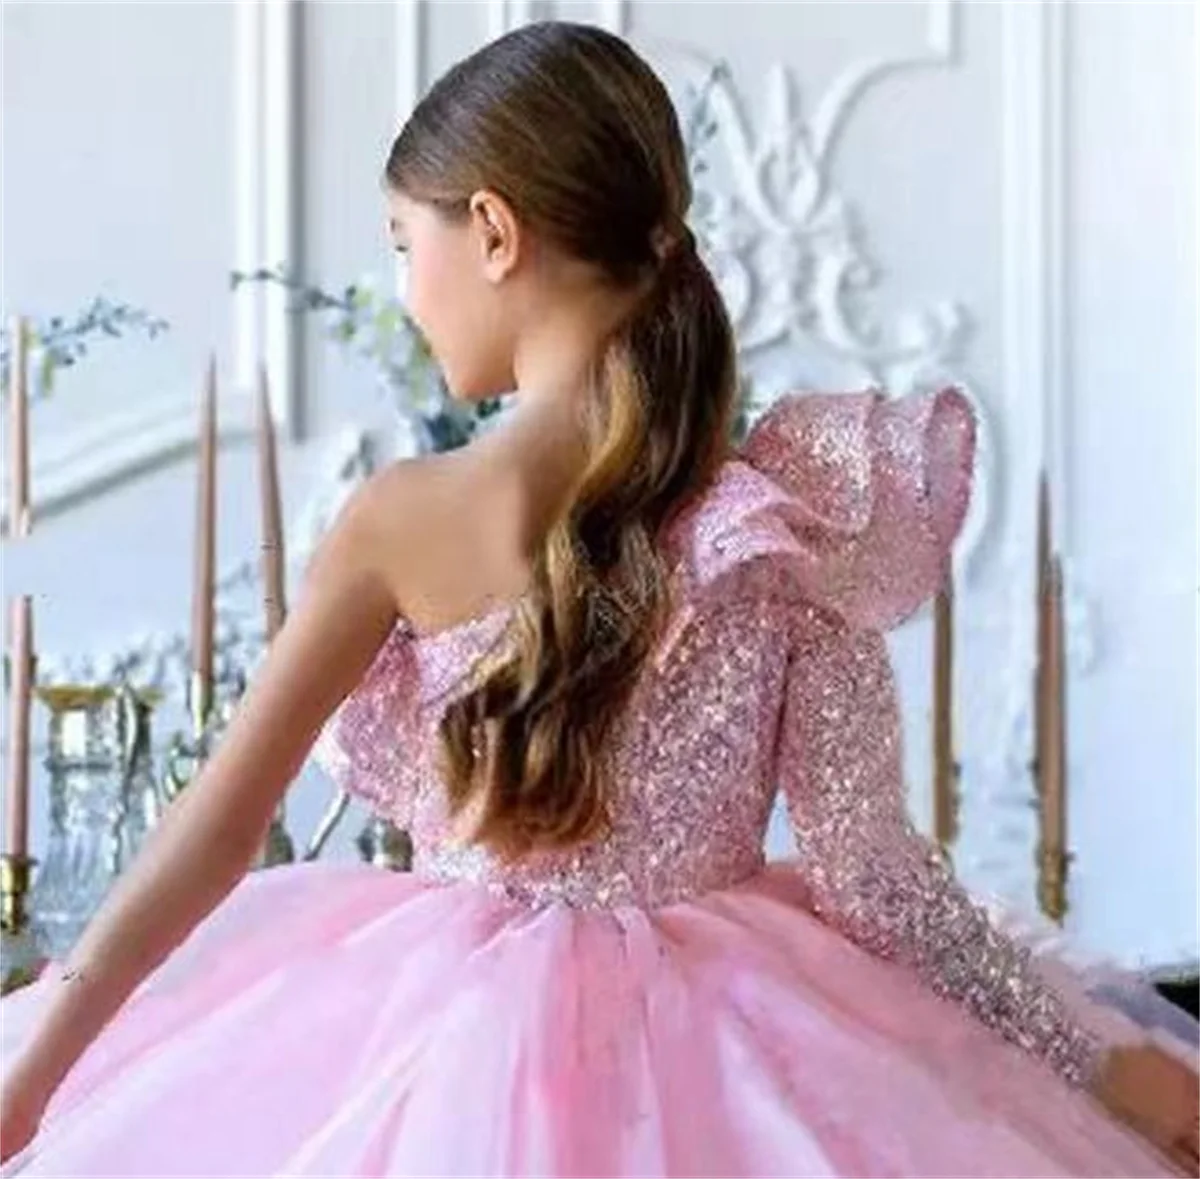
875, 493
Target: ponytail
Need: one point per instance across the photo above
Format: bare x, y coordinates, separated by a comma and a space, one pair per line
525, 748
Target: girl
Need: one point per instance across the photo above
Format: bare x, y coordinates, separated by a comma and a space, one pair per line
576, 660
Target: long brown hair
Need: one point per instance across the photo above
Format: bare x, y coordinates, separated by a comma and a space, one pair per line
574, 129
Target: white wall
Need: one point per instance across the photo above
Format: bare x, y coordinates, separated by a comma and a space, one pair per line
1020, 178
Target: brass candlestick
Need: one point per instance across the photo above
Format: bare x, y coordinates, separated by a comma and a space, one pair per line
1053, 867
21, 951
16, 873
200, 704
21, 954
184, 757
187, 754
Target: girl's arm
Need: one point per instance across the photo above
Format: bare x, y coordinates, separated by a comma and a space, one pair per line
208, 837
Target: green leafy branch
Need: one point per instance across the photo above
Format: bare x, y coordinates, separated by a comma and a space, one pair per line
377, 328
56, 343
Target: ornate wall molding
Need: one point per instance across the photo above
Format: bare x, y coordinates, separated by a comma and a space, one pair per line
789, 248
940, 51
791, 251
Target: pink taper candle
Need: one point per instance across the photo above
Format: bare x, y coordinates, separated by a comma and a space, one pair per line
274, 600
204, 585
1054, 743
944, 773
20, 654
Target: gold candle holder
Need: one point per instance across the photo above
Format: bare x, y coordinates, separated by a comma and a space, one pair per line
16, 873
1053, 867
200, 704
186, 754
21, 955
182, 762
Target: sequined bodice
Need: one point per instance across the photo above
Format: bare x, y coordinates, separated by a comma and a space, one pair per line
690, 765
833, 523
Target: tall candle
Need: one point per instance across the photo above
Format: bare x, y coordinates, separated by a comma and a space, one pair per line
204, 570
18, 429
1043, 606
1044, 540
1054, 785
20, 654
274, 600
945, 820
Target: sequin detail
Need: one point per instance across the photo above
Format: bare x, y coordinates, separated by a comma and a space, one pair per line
872, 875
676, 828
877, 490
370, 746
835, 521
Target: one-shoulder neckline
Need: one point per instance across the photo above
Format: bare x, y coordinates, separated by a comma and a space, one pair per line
443, 634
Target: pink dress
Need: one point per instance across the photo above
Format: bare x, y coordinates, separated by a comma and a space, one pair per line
661, 1002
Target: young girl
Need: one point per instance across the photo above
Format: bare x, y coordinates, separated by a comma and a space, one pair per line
576, 660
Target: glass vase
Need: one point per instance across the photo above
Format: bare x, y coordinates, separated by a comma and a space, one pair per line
104, 799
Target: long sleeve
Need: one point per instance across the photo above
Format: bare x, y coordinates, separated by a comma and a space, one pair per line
873, 877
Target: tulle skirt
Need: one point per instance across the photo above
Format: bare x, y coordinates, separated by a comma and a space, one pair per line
335, 1019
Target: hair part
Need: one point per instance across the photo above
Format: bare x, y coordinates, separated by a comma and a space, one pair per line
578, 134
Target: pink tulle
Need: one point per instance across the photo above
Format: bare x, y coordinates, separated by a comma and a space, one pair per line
339, 1020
